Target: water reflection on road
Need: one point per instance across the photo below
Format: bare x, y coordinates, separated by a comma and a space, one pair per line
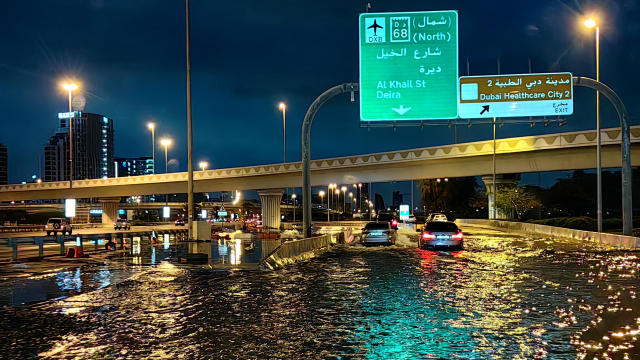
504, 296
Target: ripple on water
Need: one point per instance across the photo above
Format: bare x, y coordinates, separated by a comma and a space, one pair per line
489, 301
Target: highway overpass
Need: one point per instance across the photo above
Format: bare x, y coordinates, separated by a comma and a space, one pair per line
562, 151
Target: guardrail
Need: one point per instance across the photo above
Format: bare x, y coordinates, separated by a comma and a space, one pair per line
40, 242
21, 228
618, 241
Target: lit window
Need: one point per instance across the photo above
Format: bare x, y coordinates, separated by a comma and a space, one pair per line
104, 118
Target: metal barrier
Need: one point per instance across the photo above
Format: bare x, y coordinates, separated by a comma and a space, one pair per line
21, 228
296, 250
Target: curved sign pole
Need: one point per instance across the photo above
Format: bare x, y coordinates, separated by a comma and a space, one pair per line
306, 147
625, 144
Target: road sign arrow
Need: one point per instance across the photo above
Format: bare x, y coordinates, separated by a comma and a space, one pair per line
485, 108
401, 110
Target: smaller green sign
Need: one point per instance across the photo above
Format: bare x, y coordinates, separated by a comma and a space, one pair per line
408, 66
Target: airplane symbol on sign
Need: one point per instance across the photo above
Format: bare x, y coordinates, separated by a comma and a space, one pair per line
375, 27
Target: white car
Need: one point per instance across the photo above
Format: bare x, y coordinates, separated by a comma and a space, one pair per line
437, 217
55, 225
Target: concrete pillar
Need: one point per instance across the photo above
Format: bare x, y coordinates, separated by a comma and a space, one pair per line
270, 200
500, 180
109, 209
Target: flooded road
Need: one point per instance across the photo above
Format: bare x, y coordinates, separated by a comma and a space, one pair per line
503, 297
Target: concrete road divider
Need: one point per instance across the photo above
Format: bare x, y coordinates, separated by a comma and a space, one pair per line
296, 250
617, 241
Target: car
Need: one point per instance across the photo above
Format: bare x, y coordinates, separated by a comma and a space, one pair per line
55, 225
378, 233
179, 222
121, 224
440, 234
411, 220
437, 217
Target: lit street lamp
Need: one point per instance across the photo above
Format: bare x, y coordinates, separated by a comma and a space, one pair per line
283, 108
321, 193
344, 198
590, 23
70, 88
293, 198
351, 200
166, 142
329, 196
203, 165
152, 126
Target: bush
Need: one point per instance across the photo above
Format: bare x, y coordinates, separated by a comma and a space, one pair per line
578, 223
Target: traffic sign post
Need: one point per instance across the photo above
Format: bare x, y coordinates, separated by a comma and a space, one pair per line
408, 66
517, 95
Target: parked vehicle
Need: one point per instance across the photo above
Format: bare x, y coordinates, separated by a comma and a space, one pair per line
179, 222
440, 234
122, 224
58, 225
378, 233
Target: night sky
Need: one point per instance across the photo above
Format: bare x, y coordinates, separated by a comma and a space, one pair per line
247, 56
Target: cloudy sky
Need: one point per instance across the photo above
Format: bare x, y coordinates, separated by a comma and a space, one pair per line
247, 56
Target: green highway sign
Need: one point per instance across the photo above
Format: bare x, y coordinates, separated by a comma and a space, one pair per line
408, 66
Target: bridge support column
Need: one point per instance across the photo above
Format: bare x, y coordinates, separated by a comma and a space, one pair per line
109, 209
271, 199
495, 213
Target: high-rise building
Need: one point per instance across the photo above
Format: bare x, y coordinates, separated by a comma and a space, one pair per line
4, 165
133, 166
92, 148
396, 199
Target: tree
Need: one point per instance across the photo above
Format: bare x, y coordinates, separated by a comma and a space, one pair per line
449, 195
515, 200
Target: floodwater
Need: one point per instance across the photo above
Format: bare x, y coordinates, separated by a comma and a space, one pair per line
502, 297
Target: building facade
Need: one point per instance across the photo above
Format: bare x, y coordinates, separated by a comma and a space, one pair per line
134, 166
92, 148
4, 165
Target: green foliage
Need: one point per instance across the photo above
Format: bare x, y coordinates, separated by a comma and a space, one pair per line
515, 201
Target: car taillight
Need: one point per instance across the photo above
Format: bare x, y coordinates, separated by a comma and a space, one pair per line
394, 222
458, 236
428, 236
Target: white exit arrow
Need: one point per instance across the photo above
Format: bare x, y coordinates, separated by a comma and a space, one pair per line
401, 110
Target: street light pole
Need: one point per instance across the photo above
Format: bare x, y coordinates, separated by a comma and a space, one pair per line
591, 23
189, 129
293, 197
494, 170
321, 193
166, 142
152, 127
70, 88
283, 107
598, 135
